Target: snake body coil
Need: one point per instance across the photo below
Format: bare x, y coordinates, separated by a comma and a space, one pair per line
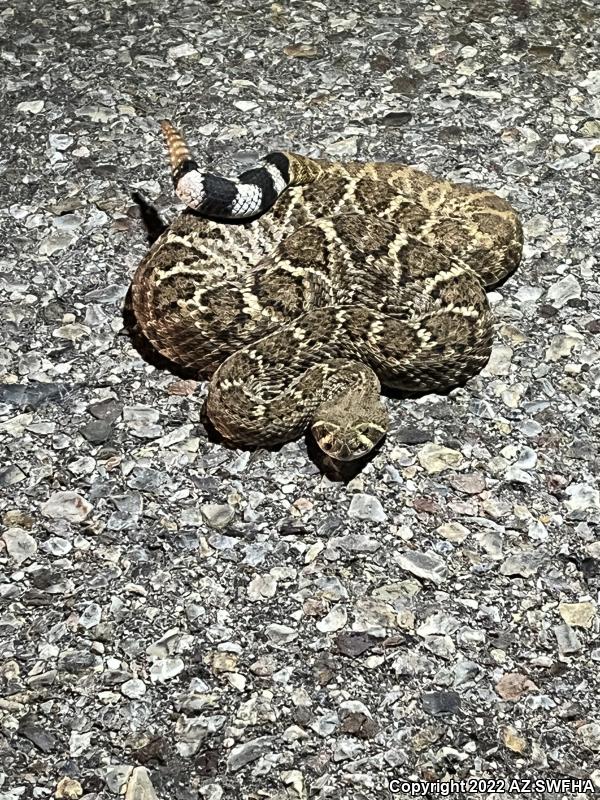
338, 278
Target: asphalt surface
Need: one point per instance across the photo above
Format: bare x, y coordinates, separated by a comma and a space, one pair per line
179, 620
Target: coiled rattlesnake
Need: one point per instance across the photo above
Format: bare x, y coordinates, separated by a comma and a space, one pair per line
303, 285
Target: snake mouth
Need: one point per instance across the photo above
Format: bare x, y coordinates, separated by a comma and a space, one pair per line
346, 443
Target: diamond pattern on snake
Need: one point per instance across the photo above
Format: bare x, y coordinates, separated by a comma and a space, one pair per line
301, 287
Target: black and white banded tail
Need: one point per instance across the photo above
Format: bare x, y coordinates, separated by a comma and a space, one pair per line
249, 195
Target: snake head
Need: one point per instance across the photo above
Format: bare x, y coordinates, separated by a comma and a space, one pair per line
348, 440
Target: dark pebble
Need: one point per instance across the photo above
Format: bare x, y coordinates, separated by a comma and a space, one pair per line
97, 431
107, 409
37, 734
396, 119
411, 436
355, 644
441, 702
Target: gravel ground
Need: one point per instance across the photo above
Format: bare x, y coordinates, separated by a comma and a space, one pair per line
222, 624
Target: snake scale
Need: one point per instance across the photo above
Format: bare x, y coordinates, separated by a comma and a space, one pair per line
302, 286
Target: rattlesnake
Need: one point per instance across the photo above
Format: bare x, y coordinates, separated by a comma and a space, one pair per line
302, 286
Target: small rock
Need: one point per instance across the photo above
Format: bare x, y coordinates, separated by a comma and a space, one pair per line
20, 545
590, 735
140, 414
217, 516
500, 361
139, 786
107, 409
133, 688
11, 475
410, 435
53, 244
68, 789
570, 162
436, 458
245, 105
453, 532
67, 505
468, 482
441, 702
116, 777
334, 620
91, 616
513, 685
300, 51
31, 106
262, 586
513, 741
579, 615
396, 119
60, 141
560, 347
247, 752
182, 51
424, 565
57, 546
523, 564
164, 669
582, 496
280, 634
567, 639
566, 289
355, 644
97, 431
37, 734
365, 506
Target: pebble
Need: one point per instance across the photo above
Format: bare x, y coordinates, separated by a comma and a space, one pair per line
262, 586
435, 458
453, 532
468, 483
365, 506
513, 741
570, 162
441, 702
97, 431
523, 564
424, 565
134, 688
117, 776
139, 785
68, 789
568, 641
31, 106
560, 347
513, 685
163, 669
69, 506
247, 752
582, 496
579, 615
355, 644
567, 288
20, 545
11, 475
280, 634
217, 516
500, 361
589, 733
334, 620
91, 616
